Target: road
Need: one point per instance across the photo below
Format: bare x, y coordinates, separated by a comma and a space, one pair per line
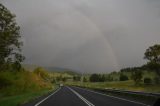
74, 96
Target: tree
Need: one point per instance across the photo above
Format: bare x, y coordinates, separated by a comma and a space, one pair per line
76, 78
84, 79
123, 77
147, 80
94, 78
109, 78
10, 44
153, 55
102, 78
137, 76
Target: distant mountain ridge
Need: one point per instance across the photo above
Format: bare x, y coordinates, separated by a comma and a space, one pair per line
51, 69
62, 70
29, 67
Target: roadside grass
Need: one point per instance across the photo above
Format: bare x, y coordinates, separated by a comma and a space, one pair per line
122, 85
17, 88
20, 99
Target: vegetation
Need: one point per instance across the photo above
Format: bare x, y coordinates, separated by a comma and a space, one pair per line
97, 78
137, 76
10, 44
122, 85
16, 84
76, 78
147, 81
123, 77
16, 100
153, 55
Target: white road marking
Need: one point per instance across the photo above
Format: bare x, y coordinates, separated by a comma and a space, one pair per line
114, 97
81, 97
47, 97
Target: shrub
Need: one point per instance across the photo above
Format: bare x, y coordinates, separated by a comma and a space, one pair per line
5, 79
123, 77
84, 79
94, 78
41, 73
137, 76
157, 80
12, 83
76, 78
147, 81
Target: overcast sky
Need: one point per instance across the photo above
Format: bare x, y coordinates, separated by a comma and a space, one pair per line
87, 35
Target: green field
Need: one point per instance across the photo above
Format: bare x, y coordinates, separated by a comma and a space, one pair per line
122, 85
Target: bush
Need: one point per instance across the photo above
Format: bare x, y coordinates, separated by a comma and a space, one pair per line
109, 78
94, 78
5, 80
12, 83
41, 73
76, 78
137, 76
84, 79
147, 81
123, 77
157, 80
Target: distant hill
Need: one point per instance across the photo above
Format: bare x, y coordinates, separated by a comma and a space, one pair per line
29, 67
62, 70
52, 69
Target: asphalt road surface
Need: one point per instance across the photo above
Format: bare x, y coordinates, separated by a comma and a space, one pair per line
74, 96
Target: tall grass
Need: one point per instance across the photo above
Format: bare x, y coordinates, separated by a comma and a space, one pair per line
19, 82
18, 87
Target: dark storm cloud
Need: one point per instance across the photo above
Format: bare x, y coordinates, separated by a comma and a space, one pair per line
87, 35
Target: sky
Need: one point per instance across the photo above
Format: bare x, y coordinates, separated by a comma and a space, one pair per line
90, 36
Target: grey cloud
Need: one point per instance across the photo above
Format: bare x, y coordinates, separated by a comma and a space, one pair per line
87, 35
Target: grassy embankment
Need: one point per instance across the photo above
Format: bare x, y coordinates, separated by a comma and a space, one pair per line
21, 87
123, 85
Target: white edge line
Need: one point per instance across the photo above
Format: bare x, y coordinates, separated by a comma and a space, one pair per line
114, 97
81, 97
47, 97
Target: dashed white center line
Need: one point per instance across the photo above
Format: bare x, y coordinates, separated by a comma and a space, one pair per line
81, 97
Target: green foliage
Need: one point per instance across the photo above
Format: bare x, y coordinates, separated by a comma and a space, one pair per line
76, 78
153, 55
109, 78
18, 100
123, 77
102, 78
10, 46
156, 80
97, 78
147, 81
137, 76
94, 78
41, 73
13, 83
64, 79
5, 80
84, 79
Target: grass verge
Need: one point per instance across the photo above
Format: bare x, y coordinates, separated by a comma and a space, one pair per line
18, 100
121, 85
